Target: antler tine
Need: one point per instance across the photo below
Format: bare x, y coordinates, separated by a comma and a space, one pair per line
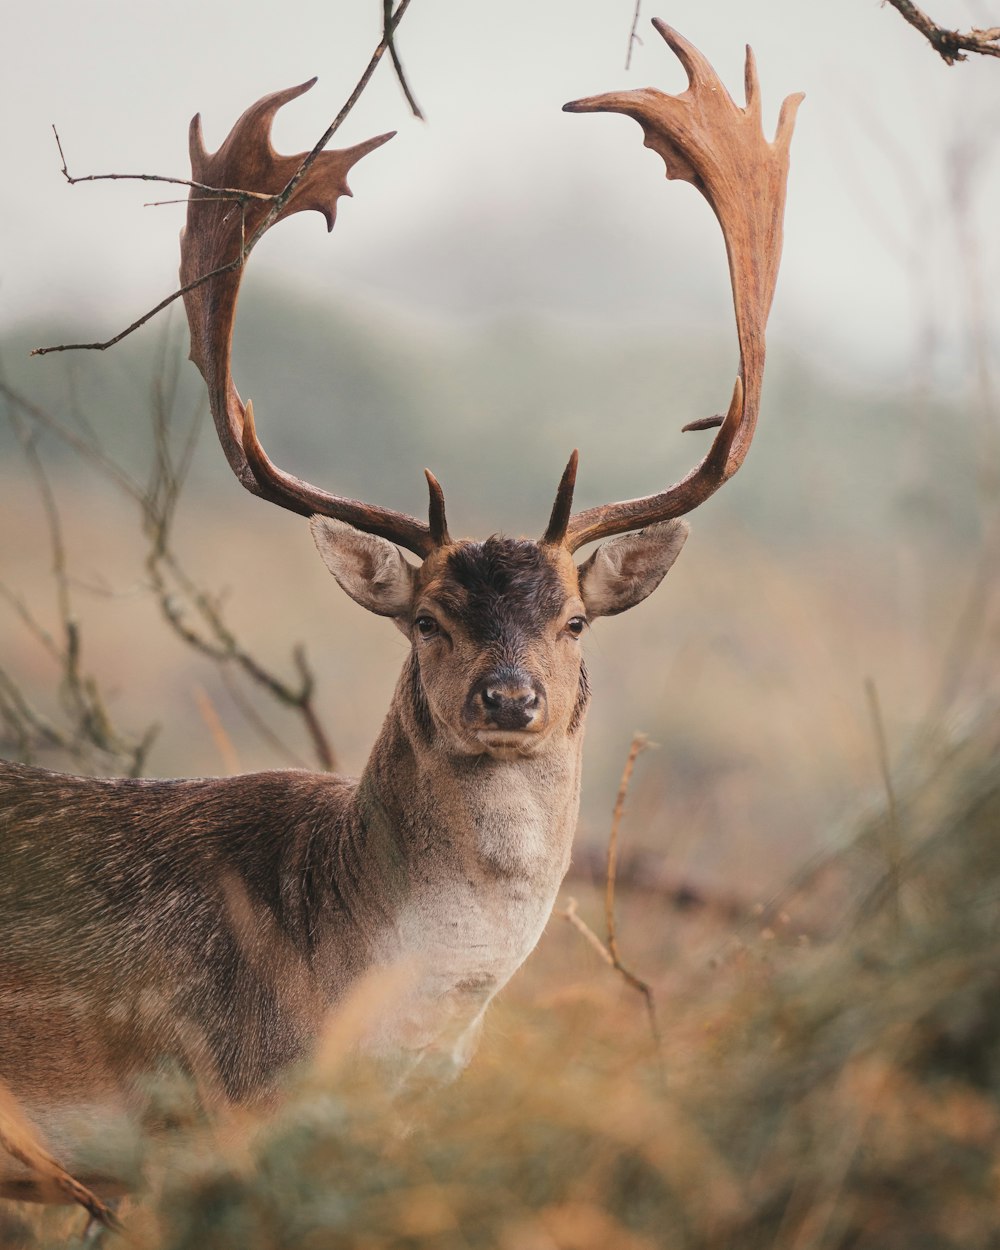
438, 520
555, 533
707, 140
214, 239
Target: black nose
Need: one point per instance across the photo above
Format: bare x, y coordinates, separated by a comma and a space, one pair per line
509, 704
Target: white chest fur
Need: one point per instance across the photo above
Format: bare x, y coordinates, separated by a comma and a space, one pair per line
468, 925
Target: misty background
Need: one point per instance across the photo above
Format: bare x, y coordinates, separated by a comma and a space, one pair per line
510, 282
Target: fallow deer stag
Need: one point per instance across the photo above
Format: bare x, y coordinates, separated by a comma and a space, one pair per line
217, 921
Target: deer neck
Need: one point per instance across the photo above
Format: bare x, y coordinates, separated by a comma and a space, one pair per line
503, 820
478, 848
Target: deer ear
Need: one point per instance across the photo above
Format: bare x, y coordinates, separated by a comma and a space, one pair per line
622, 572
371, 569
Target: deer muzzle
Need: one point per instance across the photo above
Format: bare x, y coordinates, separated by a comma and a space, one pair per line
511, 701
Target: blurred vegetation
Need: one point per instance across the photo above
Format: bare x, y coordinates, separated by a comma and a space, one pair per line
829, 1066
838, 1090
848, 549
369, 396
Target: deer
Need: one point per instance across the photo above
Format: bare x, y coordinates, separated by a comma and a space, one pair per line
217, 922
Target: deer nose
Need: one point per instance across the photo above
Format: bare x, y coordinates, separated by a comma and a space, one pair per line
509, 704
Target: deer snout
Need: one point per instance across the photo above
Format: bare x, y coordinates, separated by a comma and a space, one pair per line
502, 701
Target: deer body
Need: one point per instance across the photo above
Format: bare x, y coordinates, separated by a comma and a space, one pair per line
215, 923
233, 921
260, 900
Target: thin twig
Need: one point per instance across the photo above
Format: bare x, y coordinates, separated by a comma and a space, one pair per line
950, 45
222, 647
148, 316
176, 593
893, 847
80, 694
21, 1140
23, 721
257, 722
159, 506
213, 723
570, 913
608, 950
307, 710
388, 34
52, 519
215, 193
277, 202
633, 35
192, 199
282, 198
34, 626
85, 445
639, 744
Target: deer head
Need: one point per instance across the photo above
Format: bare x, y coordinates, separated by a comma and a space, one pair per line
495, 626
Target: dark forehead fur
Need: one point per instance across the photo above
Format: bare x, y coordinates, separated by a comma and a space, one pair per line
501, 582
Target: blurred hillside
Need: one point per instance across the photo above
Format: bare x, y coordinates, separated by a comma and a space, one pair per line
844, 550
495, 407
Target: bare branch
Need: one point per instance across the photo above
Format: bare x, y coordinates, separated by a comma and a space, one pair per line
388, 29
282, 198
21, 1140
52, 519
307, 710
27, 728
633, 34
950, 45
215, 193
213, 637
86, 445
257, 722
41, 634
221, 645
639, 744
80, 695
213, 723
192, 612
608, 950
148, 316
580, 925
277, 202
194, 199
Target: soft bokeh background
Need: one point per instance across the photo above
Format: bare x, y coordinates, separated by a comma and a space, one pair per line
508, 283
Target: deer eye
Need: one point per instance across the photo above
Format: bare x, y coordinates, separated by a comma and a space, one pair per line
427, 626
576, 625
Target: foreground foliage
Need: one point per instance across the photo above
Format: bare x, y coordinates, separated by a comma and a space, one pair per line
834, 1091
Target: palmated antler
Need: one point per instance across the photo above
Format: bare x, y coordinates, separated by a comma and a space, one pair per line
709, 141
215, 238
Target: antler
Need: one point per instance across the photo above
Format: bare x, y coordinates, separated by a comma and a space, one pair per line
708, 141
214, 239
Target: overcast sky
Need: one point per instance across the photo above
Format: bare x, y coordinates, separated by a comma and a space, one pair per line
501, 201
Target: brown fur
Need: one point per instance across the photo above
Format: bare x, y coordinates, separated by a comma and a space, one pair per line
211, 924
